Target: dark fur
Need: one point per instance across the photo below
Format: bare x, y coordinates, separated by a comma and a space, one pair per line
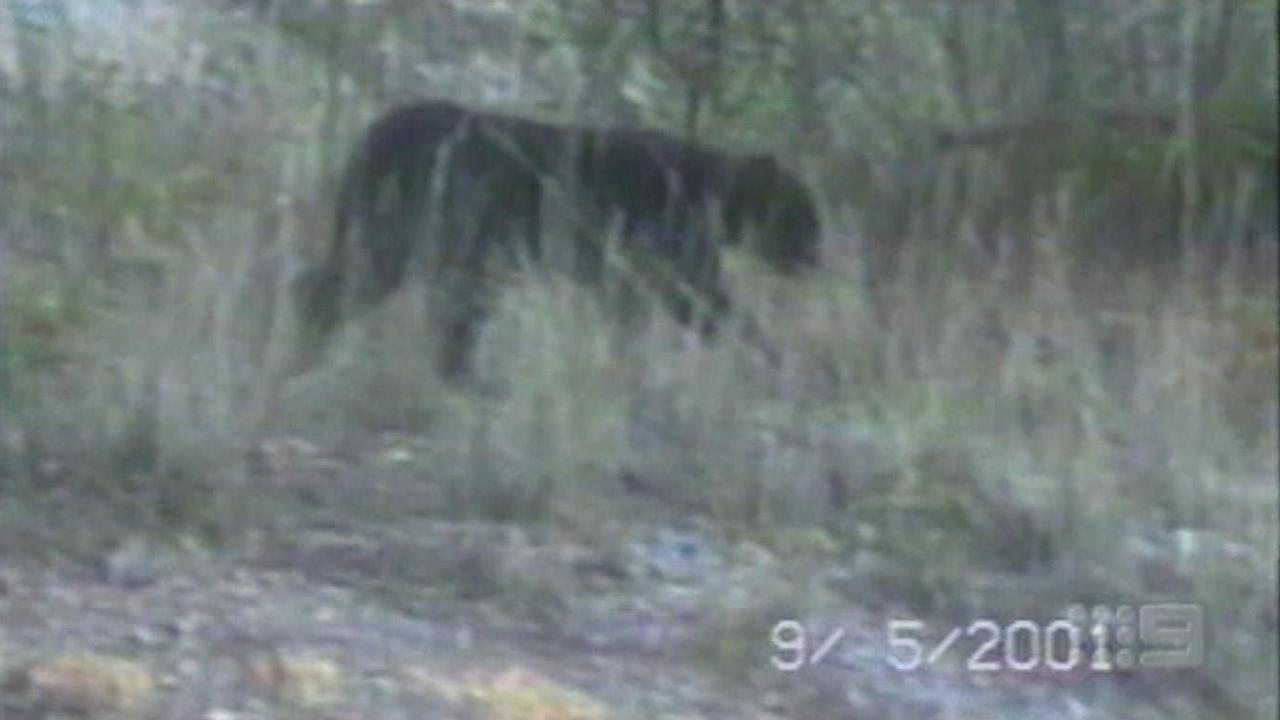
479, 180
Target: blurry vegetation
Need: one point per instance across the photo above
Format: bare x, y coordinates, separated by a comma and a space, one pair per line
1044, 340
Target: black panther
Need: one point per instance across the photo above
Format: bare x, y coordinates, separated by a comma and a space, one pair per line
455, 190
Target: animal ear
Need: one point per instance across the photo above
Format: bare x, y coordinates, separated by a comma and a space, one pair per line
759, 176
765, 166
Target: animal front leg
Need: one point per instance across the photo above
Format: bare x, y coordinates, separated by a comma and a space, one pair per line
461, 306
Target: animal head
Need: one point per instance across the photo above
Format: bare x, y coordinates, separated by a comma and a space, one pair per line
776, 210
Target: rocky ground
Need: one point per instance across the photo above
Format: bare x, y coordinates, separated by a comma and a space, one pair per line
443, 619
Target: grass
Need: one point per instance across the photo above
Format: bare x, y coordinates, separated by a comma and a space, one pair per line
975, 409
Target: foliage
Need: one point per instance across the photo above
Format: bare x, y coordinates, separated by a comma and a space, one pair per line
1046, 316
